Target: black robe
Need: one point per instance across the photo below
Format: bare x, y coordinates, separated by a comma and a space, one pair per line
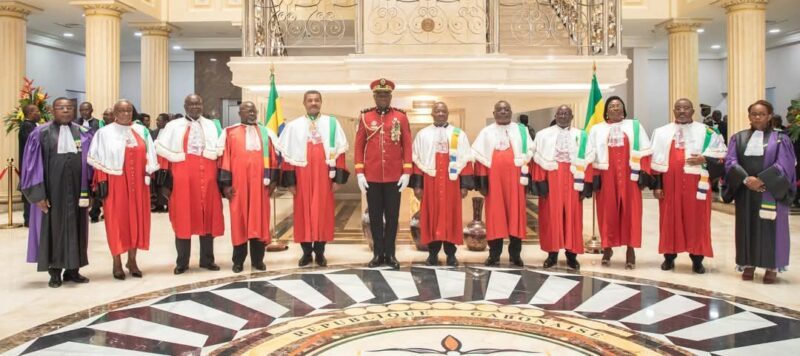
61, 235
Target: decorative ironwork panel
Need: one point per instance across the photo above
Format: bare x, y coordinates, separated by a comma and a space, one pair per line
590, 26
427, 21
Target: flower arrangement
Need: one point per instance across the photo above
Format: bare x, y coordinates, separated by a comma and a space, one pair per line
793, 119
28, 95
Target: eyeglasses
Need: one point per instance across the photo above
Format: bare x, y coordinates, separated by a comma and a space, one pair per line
64, 107
757, 114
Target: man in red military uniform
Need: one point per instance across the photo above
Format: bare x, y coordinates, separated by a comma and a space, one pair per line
383, 168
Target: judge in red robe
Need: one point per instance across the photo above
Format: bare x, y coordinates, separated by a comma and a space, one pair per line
503, 153
313, 148
687, 158
123, 157
442, 176
622, 169
191, 145
247, 177
562, 177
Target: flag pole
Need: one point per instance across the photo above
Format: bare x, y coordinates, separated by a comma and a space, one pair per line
275, 244
593, 245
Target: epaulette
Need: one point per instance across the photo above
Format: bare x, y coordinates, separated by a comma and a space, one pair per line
398, 109
367, 110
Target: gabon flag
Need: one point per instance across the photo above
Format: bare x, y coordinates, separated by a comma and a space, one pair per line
594, 113
274, 118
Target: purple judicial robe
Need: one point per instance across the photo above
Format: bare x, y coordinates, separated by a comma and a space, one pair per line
63, 179
761, 242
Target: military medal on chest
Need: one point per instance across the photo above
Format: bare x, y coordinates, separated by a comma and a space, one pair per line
395, 130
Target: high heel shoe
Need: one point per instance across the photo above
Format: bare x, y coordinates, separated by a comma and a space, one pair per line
135, 271
118, 274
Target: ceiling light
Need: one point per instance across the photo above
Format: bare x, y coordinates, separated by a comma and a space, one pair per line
716, 47
774, 30
137, 34
212, 59
68, 34
176, 47
701, 30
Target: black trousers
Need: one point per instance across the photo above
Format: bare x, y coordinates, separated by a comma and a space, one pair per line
384, 205
317, 247
94, 212
257, 249
26, 212
436, 246
696, 259
184, 248
514, 247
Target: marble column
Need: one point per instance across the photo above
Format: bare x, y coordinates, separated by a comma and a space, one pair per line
13, 23
683, 58
746, 64
103, 19
155, 67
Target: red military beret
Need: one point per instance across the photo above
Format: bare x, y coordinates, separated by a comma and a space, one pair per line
382, 85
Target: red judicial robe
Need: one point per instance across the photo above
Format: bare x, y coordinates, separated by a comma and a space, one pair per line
127, 205
314, 206
244, 170
440, 209
619, 201
312, 164
505, 208
441, 181
195, 205
561, 211
685, 220
503, 163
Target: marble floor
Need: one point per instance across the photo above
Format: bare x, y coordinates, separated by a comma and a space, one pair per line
348, 309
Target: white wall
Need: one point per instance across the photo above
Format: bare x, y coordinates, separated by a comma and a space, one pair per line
181, 83
58, 71
783, 74
55, 71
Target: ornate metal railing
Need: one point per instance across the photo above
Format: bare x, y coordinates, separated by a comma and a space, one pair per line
273, 27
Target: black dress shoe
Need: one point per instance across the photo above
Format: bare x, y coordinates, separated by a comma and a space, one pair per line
432, 260
376, 261
549, 262
574, 265
74, 276
392, 262
668, 265
492, 262
305, 261
55, 282
321, 261
180, 269
237, 268
211, 266
259, 266
698, 268
452, 261
516, 261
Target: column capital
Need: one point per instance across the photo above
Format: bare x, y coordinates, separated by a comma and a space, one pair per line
17, 9
678, 25
102, 7
736, 5
154, 28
